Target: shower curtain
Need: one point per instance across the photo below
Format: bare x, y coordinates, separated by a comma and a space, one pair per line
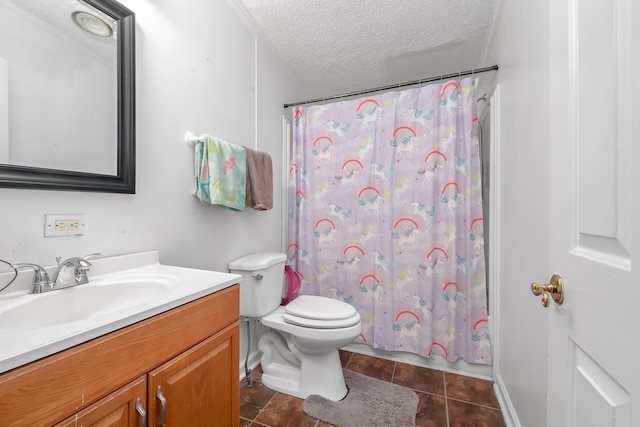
385, 213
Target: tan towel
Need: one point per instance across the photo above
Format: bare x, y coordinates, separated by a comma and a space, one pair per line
259, 180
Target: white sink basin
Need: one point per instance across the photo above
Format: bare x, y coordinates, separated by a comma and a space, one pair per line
123, 290
81, 302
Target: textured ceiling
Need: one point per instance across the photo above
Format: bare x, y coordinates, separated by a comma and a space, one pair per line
335, 46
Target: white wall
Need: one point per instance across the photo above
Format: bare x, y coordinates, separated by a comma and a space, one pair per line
194, 72
520, 45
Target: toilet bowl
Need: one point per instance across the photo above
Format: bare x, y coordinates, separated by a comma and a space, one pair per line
301, 341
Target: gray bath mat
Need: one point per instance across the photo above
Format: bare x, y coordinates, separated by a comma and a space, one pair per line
370, 402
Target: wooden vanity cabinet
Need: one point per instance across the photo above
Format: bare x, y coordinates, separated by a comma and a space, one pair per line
190, 352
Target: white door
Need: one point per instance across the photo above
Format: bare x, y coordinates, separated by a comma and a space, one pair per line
594, 342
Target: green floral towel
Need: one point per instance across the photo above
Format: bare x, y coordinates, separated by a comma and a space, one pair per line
220, 173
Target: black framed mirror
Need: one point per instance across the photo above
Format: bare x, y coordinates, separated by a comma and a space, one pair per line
119, 124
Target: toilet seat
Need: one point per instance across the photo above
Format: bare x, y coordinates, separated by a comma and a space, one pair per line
318, 312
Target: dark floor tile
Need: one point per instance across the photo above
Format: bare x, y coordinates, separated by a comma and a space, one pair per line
345, 356
262, 407
373, 367
470, 389
419, 378
285, 411
462, 414
253, 399
432, 411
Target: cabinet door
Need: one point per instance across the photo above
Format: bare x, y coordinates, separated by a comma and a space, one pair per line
119, 409
200, 387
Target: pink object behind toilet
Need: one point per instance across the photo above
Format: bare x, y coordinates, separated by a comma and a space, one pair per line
293, 284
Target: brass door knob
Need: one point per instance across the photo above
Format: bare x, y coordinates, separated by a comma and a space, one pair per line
554, 288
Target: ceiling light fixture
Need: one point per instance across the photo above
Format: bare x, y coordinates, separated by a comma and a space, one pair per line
92, 24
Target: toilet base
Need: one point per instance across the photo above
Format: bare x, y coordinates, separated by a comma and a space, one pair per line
319, 374
284, 379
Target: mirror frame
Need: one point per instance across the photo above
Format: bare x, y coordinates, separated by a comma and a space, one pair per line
26, 177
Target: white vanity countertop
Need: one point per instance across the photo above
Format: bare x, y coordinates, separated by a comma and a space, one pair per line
19, 346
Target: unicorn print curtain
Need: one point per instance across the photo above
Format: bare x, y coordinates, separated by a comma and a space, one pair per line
385, 213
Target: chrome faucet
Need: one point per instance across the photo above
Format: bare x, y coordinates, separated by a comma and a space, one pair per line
41, 282
80, 268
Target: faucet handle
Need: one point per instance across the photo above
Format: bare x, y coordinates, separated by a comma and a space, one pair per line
88, 257
84, 264
40, 277
83, 267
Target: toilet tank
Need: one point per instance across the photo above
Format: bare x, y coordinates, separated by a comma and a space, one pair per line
262, 282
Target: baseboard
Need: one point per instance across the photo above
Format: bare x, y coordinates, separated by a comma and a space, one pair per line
508, 411
254, 360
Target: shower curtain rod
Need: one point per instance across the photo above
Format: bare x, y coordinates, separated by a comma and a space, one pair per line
397, 85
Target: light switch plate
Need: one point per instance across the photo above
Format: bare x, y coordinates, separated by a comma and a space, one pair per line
56, 225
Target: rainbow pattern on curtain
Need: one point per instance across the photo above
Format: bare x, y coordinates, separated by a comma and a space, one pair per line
386, 214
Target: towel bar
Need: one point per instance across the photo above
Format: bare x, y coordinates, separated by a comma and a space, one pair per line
191, 139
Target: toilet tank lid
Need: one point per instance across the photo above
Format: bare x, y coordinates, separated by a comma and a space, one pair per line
257, 261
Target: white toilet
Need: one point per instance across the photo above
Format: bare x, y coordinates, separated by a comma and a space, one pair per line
300, 348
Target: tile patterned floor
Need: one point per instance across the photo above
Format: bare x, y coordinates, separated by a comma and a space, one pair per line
446, 400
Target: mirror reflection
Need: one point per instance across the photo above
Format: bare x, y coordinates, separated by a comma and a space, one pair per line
58, 74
